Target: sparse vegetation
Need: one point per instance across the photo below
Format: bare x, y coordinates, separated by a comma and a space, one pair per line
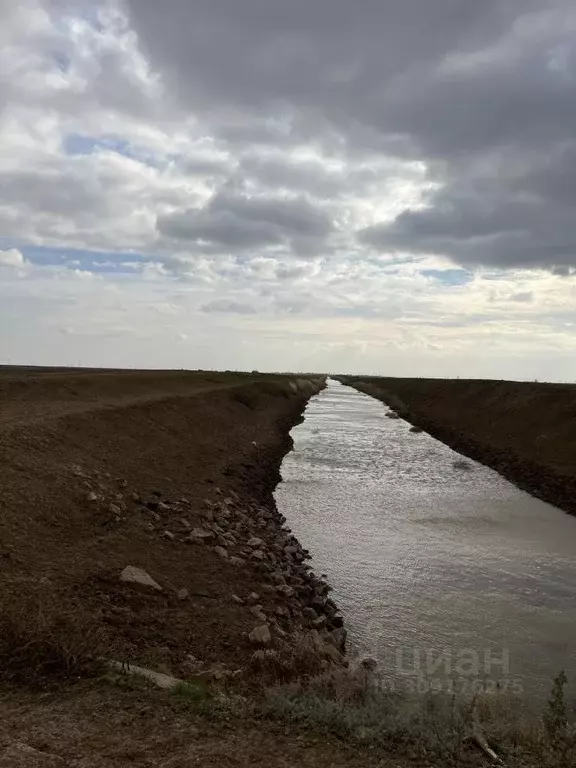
190, 692
40, 648
294, 661
449, 727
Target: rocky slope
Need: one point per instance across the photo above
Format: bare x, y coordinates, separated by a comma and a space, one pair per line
108, 474
524, 430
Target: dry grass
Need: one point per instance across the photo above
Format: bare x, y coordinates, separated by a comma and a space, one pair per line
287, 662
41, 649
446, 727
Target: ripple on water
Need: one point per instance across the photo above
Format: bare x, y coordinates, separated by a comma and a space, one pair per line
424, 556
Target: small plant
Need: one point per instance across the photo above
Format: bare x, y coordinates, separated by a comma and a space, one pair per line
556, 718
39, 648
190, 692
560, 733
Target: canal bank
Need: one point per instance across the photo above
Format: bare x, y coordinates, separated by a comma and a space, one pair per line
522, 429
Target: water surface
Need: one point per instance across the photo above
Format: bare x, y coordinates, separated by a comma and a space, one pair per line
426, 558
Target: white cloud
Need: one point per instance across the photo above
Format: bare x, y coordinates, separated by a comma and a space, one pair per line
12, 258
143, 227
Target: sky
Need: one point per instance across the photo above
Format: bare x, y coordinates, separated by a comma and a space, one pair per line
379, 186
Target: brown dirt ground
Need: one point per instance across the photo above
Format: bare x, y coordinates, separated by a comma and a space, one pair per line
198, 436
97, 726
524, 430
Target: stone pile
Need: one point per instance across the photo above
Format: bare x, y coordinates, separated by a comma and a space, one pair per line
252, 536
291, 601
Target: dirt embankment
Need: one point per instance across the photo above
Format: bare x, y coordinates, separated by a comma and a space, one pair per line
172, 473
524, 430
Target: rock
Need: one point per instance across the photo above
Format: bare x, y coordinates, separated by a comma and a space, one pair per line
169, 535
391, 415
257, 554
92, 497
20, 755
182, 594
462, 464
185, 524
261, 635
369, 664
253, 597
318, 604
337, 638
416, 430
221, 552
191, 665
139, 579
115, 509
256, 611
162, 507
167, 682
330, 652
237, 600
201, 533
291, 550
236, 560
254, 541
320, 622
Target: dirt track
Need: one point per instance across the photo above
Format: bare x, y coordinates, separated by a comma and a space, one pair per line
37, 395
524, 430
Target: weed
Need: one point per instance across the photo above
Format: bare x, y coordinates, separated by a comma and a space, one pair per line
190, 692
559, 746
39, 648
358, 708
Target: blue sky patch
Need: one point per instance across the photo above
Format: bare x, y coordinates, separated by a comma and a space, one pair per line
449, 276
103, 262
79, 144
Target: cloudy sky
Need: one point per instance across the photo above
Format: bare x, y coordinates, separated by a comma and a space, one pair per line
384, 186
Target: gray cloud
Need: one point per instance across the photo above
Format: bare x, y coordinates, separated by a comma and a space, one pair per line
522, 215
234, 221
480, 92
228, 306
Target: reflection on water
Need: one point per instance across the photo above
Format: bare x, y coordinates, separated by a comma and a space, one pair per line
425, 557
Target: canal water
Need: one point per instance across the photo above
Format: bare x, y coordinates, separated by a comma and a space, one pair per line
445, 575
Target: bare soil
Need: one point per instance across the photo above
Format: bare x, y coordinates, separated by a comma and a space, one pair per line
524, 430
98, 726
137, 440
